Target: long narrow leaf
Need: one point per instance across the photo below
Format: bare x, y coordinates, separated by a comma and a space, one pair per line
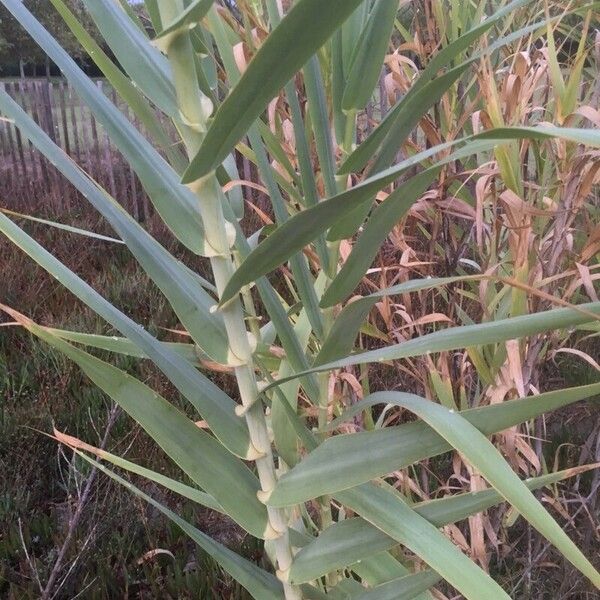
383, 219
466, 336
189, 300
394, 517
144, 64
484, 456
261, 584
336, 547
368, 55
199, 455
185, 491
176, 204
344, 461
132, 96
301, 33
217, 408
341, 337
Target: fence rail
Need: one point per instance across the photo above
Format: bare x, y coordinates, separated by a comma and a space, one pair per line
29, 181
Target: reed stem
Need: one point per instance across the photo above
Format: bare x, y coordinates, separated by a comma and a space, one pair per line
195, 109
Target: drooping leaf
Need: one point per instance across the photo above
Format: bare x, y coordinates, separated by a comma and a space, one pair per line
307, 26
483, 455
258, 582
215, 406
199, 455
344, 461
389, 513
336, 547
189, 300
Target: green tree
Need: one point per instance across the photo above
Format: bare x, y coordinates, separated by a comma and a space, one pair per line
16, 46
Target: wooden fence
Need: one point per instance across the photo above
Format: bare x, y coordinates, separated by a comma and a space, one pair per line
29, 182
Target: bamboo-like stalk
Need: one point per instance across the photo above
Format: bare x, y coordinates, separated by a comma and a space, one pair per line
195, 109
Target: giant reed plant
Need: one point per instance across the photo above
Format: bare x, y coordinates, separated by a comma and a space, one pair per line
270, 459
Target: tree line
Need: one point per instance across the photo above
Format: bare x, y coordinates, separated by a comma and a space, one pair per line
21, 55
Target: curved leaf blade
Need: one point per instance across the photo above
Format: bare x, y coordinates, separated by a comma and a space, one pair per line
307, 26
197, 453
191, 303
485, 457
344, 461
215, 406
393, 516
341, 337
258, 582
336, 547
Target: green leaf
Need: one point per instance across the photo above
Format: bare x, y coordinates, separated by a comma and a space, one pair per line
197, 453
383, 219
190, 17
69, 228
215, 406
368, 56
418, 104
307, 26
406, 587
132, 96
347, 324
260, 584
191, 303
185, 491
483, 456
368, 148
344, 461
336, 547
466, 336
332, 550
305, 226
144, 64
283, 431
393, 516
176, 204
124, 346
